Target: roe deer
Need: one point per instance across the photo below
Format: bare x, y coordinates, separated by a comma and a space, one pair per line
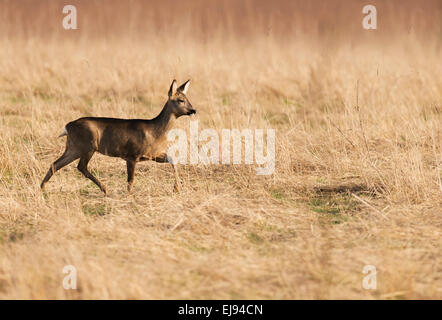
133, 140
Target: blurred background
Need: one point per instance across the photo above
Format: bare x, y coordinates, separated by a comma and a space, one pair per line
203, 20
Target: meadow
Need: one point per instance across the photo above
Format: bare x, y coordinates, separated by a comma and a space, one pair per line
358, 120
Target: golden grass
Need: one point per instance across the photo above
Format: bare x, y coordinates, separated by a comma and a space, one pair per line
355, 183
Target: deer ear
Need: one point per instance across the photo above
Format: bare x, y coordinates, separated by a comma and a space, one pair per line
183, 88
172, 89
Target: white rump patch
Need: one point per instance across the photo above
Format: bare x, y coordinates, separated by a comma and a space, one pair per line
64, 133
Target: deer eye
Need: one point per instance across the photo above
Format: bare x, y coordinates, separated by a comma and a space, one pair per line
180, 101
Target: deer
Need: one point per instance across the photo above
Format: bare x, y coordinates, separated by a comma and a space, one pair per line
133, 140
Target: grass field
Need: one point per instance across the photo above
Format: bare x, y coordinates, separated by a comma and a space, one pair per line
358, 120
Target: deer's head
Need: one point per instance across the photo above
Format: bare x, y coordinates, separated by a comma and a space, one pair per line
178, 102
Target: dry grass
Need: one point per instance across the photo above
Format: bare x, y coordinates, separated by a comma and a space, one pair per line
355, 183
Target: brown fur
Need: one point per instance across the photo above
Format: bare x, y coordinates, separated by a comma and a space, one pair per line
133, 140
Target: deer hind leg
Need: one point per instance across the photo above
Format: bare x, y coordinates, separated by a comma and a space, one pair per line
68, 156
164, 158
130, 164
82, 167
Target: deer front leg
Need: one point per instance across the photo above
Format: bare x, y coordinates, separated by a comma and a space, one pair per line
164, 158
130, 164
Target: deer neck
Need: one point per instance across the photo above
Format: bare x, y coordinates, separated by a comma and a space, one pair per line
164, 121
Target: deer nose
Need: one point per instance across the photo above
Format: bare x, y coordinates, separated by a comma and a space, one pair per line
191, 111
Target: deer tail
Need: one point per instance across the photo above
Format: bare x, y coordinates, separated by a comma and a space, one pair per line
64, 133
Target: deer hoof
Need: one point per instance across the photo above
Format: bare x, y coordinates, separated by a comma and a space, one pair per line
176, 187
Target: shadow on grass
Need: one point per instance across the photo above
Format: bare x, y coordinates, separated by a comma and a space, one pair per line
334, 203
